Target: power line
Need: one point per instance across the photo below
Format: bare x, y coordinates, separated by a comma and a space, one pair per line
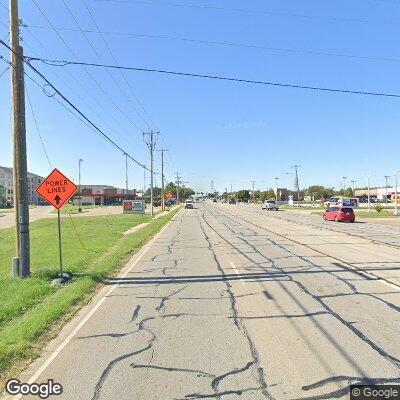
101, 60
114, 59
99, 131
88, 93
76, 58
37, 128
228, 44
253, 11
63, 63
7, 68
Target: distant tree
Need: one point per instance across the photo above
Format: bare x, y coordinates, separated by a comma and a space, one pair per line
320, 192
267, 195
243, 195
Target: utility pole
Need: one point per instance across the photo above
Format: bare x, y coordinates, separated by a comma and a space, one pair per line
354, 190
276, 189
79, 185
254, 199
369, 193
396, 175
296, 181
212, 188
386, 186
144, 187
20, 170
162, 179
177, 189
151, 145
126, 173
231, 189
344, 185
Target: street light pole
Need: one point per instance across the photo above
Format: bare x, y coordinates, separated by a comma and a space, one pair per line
386, 186
79, 184
344, 185
369, 193
276, 189
354, 191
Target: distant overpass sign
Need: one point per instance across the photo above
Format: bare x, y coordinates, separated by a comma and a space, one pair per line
57, 189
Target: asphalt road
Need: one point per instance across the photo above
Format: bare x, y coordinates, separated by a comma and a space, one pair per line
229, 302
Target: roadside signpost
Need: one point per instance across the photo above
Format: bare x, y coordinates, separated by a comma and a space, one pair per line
133, 207
57, 189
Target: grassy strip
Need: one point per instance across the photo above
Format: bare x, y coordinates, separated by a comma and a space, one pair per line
35, 310
74, 209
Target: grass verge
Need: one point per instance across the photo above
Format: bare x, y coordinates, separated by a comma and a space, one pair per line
74, 209
31, 310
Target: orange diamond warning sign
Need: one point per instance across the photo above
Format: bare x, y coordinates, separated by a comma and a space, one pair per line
57, 189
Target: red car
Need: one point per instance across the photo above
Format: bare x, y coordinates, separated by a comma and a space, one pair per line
339, 214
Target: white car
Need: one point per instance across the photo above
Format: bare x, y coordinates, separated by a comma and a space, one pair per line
269, 205
189, 204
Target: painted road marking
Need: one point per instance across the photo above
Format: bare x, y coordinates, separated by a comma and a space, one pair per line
237, 272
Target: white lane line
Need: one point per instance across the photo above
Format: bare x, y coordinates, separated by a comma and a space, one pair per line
237, 272
90, 314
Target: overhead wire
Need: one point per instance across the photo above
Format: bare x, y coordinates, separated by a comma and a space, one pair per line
88, 93
2, 73
76, 58
96, 128
252, 11
114, 59
63, 63
101, 60
37, 128
231, 44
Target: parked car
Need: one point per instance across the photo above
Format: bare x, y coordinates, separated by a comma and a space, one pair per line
339, 214
215, 200
232, 201
189, 204
269, 205
157, 203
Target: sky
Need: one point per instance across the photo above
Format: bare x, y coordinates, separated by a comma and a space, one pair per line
228, 132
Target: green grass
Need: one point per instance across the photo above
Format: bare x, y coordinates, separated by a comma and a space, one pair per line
74, 209
29, 308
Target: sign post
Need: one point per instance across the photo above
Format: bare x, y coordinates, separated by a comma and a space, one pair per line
57, 189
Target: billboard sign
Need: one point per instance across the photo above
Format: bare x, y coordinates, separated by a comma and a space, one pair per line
349, 202
133, 207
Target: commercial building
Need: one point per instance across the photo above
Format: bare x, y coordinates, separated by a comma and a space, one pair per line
378, 193
103, 195
6, 180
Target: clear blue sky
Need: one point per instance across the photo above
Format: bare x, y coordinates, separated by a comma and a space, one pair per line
215, 130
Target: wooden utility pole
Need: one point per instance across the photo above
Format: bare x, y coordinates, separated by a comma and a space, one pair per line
151, 145
126, 173
177, 190
253, 194
20, 172
162, 180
